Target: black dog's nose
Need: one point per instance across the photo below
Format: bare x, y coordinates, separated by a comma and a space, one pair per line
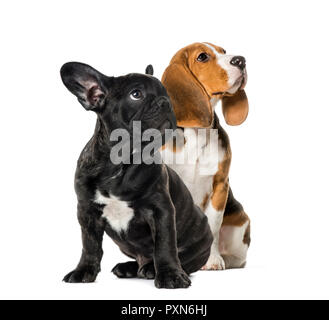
238, 61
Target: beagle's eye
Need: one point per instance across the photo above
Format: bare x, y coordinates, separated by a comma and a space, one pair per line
224, 51
203, 57
136, 94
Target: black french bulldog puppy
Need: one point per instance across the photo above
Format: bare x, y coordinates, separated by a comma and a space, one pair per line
145, 208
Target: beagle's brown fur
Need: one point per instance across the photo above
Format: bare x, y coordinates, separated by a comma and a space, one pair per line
197, 77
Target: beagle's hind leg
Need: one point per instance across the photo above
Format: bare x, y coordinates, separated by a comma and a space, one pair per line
234, 244
234, 235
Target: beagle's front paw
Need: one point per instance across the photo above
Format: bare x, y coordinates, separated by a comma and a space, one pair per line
172, 279
215, 262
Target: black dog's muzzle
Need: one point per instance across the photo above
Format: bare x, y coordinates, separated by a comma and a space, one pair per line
159, 113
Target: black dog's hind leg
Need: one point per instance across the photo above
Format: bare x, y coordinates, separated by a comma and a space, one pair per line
132, 269
147, 271
92, 228
126, 270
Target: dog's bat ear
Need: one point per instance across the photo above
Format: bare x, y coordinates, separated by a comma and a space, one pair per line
149, 70
86, 83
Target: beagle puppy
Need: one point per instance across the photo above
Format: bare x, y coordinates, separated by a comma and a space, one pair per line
197, 78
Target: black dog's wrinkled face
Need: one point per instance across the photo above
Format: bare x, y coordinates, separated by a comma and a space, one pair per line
119, 101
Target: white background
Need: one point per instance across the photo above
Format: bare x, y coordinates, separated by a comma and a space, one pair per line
280, 154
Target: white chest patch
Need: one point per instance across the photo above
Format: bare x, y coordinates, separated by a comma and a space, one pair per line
117, 213
196, 163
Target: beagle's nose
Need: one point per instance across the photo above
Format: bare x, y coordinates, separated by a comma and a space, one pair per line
238, 61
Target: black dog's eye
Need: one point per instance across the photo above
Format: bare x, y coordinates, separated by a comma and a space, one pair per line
203, 57
136, 94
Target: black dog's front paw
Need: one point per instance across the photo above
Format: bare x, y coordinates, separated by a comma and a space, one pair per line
82, 274
147, 271
172, 279
126, 270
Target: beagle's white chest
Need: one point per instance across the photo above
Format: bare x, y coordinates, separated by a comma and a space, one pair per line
117, 212
197, 161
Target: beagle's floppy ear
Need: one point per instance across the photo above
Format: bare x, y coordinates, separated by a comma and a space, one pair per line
189, 99
235, 108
